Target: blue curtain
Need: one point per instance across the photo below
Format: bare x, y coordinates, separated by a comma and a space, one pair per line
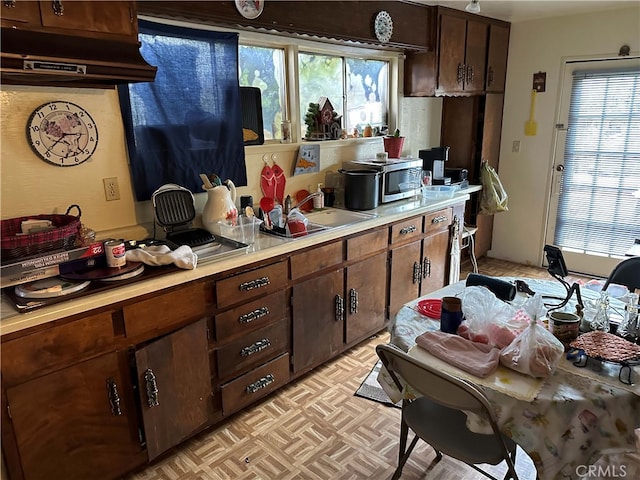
189, 120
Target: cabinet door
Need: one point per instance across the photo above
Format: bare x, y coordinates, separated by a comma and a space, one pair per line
366, 297
118, 18
475, 56
497, 58
78, 422
404, 283
318, 323
434, 262
175, 386
21, 13
452, 50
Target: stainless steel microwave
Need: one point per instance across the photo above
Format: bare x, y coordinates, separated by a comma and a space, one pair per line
399, 178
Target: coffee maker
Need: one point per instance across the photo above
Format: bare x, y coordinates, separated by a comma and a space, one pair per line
433, 160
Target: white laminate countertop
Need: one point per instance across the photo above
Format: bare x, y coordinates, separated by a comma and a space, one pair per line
265, 247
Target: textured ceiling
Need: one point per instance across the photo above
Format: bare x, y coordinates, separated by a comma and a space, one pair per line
523, 10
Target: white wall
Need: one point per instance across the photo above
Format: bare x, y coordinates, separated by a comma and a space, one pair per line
542, 45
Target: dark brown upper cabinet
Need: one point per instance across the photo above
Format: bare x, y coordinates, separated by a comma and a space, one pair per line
469, 50
497, 58
71, 43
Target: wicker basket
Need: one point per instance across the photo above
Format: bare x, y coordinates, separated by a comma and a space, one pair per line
63, 237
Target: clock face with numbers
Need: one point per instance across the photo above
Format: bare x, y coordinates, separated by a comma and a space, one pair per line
62, 133
383, 26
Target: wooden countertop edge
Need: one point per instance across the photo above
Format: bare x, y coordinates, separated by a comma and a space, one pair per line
12, 321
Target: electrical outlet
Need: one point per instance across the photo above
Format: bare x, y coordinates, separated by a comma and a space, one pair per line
515, 148
111, 188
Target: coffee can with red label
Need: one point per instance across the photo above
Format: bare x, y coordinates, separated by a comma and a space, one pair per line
115, 252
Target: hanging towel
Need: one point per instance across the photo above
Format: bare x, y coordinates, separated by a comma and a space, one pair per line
181, 257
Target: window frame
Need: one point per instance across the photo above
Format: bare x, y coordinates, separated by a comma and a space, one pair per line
292, 46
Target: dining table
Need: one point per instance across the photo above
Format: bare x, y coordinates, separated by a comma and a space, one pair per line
565, 422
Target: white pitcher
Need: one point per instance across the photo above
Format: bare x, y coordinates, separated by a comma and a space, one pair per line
220, 206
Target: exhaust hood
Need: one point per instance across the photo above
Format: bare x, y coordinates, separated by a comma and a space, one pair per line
38, 58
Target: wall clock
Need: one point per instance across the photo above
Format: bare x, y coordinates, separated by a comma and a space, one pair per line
383, 26
62, 133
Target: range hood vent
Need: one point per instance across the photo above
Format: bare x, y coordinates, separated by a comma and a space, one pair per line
35, 58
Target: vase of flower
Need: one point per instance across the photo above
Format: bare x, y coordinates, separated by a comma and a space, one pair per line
393, 144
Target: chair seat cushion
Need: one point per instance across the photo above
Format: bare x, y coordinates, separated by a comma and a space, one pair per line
445, 430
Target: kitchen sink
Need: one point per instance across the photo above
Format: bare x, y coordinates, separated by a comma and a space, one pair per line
281, 232
336, 217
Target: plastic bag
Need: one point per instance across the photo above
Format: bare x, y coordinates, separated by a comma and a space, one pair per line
535, 352
493, 198
487, 319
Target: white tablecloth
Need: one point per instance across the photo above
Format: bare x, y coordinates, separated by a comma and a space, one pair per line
572, 420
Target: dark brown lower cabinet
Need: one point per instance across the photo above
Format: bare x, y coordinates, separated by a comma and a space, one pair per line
435, 249
175, 387
406, 264
366, 298
318, 319
78, 422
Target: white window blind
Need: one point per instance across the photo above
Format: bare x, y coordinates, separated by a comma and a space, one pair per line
599, 208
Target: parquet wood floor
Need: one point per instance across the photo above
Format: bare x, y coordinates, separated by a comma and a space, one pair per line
317, 429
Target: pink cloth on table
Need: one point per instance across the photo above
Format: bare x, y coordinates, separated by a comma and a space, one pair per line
479, 359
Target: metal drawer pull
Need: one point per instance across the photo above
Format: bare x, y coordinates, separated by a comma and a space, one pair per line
114, 398
260, 384
9, 3
260, 282
470, 75
353, 301
409, 229
58, 8
460, 75
152, 388
490, 76
416, 272
426, 267
254, 315
339, 308
255, 348
439, 219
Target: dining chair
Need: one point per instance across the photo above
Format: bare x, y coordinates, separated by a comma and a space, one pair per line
626, 273
438, 415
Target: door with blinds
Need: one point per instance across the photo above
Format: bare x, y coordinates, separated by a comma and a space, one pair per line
594, 209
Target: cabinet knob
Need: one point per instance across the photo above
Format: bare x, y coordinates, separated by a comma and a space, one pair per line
353, 301
460, 75
260, 384
490, 76
58, 7
416, 272
408, 229
114, 398
339, 304
255, 348
151, 387
470, 75
253, 315
426, 267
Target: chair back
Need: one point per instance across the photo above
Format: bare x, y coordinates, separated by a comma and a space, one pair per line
439, 387
626, 273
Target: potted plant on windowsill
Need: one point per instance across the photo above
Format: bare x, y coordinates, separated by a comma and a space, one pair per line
393, 144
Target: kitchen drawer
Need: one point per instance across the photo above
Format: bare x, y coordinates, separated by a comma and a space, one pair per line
370, 242
57, 347
406, 230
319, 258
159, 313
250, 316
438, 221
255, 384
248, 285
253, 349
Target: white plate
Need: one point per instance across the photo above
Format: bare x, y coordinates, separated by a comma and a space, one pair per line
125, 276
49, 288
250, 8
